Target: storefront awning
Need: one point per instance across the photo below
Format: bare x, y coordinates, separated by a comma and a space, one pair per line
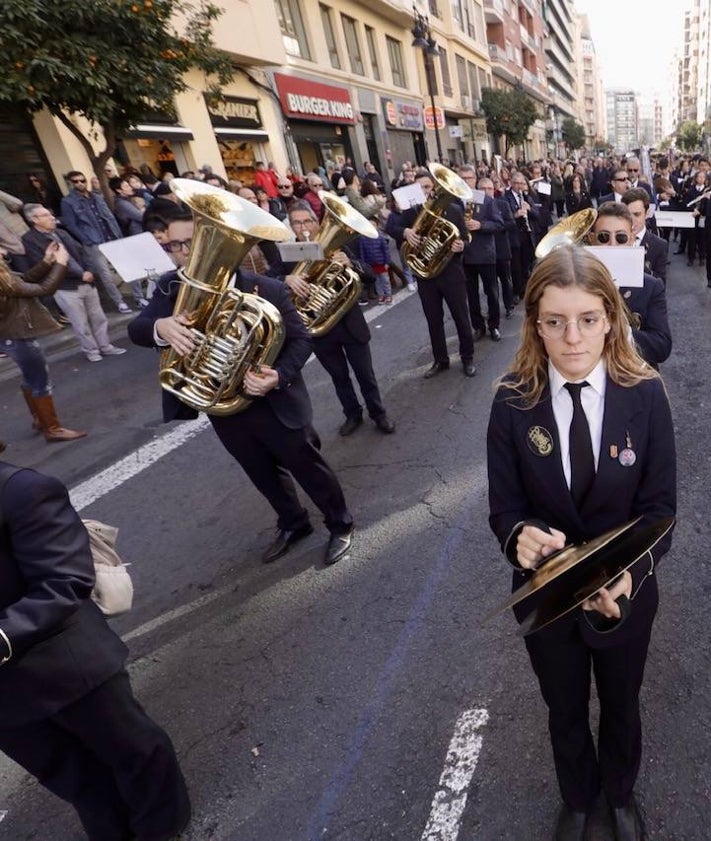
156, 131
240, 134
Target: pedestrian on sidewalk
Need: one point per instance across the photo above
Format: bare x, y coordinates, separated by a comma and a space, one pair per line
23, 319
76, 295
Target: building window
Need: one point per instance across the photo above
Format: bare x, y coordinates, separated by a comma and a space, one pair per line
474, 91
353, 45
444, 67
372, 52
397, 68
434, 11
458, 13
462, 75
292, 28
330, 36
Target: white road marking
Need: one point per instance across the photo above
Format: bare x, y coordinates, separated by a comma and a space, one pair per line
3, 815
131, 465
169, 615
459, 766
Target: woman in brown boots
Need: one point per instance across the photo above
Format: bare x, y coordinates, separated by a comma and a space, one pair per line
23, 319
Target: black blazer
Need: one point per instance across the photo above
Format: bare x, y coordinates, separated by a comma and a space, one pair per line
525, 484
655, 261
518, 233
398, 222
501, 238
36, 243
482, 248
61, 644
653, 339
290, 402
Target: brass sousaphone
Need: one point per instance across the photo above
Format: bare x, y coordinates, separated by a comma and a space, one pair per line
233, 331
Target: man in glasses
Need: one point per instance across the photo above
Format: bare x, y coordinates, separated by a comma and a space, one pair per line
647, 303
272, 439
279, 206
88, 219
620, 183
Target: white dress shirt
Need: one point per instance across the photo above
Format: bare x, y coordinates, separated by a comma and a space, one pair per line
593, 401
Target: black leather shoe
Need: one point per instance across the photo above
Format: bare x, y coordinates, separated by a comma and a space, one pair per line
338, 546
509, 312
384, 424
468, 367
436, 368
477, 334
495, 334
285, 539
350, 425
571, 826
627, 822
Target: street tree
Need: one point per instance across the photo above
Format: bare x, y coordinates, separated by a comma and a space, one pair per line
689, 135
509, 114
108, 61
573, 134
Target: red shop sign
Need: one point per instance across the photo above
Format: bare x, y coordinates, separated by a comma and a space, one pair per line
307, 100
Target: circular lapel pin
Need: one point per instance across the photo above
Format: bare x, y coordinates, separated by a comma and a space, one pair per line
539, 440
627, 457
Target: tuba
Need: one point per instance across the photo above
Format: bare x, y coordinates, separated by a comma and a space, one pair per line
438, 233
233, 331
333, 287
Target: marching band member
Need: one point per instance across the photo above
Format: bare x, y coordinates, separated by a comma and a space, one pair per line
580, 440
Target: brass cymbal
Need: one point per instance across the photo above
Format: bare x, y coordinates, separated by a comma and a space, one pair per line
558, 564
591, 574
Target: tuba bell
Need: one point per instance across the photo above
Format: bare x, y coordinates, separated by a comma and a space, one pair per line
233, 331
438, 233
333, 287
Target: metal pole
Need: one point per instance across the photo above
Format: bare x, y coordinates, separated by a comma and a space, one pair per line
429, 68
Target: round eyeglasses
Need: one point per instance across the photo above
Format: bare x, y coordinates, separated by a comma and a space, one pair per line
589, 325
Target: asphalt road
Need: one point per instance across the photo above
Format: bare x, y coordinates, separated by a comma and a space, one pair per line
312, 703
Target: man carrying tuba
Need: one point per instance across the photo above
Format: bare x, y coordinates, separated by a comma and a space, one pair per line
446, 286
346, 344
273, 437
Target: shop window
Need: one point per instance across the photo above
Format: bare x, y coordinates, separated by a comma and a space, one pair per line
292, 28
330, 36
372, 52
353, 45
397, 68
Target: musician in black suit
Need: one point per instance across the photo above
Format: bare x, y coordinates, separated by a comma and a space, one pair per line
502, 245
346, 344
483, 222
526, 213
620, 183
647, 303
448, 285
67, 712
273, 438
552, 483
656, 248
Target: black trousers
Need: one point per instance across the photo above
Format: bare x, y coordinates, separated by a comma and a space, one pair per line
113, 763
521, 265
271, 454
433, 293
503, 273
335, 358
487, 273
562, 662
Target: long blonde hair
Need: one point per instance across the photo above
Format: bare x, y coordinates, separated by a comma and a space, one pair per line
567, 267
6, 284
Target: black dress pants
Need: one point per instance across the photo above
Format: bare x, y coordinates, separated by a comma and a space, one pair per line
433, 293
271, 454
491, 290
562, 662
335, 358
503, 273
113, 763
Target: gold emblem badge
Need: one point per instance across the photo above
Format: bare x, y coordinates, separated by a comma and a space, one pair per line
540, 441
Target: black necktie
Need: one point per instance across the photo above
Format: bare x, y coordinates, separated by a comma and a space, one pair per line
582, 461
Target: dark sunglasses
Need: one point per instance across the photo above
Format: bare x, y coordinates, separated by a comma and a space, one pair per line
603, 237
283, 186
626, 178
632, 170
78, 180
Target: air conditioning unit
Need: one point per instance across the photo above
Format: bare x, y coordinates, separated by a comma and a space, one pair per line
466, 101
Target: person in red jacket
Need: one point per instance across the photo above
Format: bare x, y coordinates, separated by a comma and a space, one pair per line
266, 179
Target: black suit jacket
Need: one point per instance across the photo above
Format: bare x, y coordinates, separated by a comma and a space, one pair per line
653, 339
482, 248
62, 647
398, 222
655, 261
290, 402
36, 243
501, 238
525, 484
517, 234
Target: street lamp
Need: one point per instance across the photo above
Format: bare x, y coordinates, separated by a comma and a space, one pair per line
422, 35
